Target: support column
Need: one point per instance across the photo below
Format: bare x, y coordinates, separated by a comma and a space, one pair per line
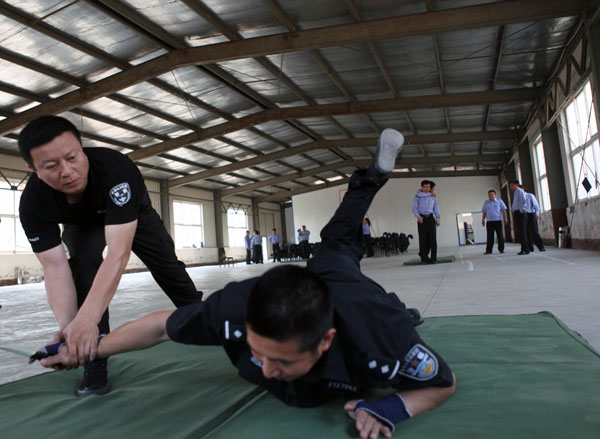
218, 219
255, 216
526, 167
283, 231
165, 206
556, 178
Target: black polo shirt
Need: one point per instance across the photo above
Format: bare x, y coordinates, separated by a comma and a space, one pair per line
375, 344
115, 194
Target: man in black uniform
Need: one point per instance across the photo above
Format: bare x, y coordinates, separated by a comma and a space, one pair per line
100, 198
308, 335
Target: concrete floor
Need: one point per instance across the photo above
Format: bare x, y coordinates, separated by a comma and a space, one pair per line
562, 281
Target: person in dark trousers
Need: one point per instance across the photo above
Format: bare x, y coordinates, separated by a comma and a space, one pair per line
494, 211
425, 209
257, 248
248, 246
368, 240
303, 242
532, 208
308, 335
276, 241
519, 214
100, 198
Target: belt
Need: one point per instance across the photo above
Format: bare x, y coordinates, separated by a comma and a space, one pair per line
426, 215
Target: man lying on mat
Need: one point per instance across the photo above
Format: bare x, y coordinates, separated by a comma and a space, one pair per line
308, 335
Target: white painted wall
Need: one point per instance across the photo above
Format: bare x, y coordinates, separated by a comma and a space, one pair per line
391, 209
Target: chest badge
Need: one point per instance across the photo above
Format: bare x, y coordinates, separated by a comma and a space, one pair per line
120, 194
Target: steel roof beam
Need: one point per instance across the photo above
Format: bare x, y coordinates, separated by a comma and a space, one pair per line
491, 14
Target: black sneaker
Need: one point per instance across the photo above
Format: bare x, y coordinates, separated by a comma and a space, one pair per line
95, 379
416, 315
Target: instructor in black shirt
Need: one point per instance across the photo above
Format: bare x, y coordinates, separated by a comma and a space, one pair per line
99, 197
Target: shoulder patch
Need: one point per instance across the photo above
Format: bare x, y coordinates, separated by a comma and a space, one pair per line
120, 194
419, 364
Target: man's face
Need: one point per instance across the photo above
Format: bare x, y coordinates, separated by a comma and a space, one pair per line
426, 188
281, 360
62, 165
491, 196
303, 228
512, 186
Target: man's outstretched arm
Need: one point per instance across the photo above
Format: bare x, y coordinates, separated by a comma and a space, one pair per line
370, 421
139, 334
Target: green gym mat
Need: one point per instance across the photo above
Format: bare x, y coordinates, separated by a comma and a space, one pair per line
519, 376
417, 261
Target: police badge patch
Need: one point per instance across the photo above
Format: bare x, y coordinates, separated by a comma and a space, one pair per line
419, 364
120, 194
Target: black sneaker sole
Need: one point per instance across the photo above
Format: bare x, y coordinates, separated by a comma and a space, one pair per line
87, 391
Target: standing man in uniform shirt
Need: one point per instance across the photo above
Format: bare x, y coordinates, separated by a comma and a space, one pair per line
494, 210
277, 241
425, 209
248, 245
303, 242
308, 335
257, 247
532, 208
100, 198
519, 214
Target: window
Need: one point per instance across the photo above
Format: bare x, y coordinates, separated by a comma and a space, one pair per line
187, 219
12, 236
541, 175
581, 134
237, 224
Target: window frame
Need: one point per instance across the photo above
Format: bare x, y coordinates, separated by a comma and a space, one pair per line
233, 240
588, 150
187, 226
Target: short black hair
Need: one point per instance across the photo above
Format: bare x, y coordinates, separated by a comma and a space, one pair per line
515, 182
290, 302
431, 183
424, 182
491, 190
42, 130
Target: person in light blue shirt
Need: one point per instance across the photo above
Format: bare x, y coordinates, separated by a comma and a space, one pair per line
494, 210
276, 241
257, 247
303, 238
425, 209
248, 245
519, 214
532, 208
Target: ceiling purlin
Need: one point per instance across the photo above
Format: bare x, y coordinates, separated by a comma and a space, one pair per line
488, 14
430, 160
376, 106
499, 52
352, 143
388, 79
232, 35
136, 21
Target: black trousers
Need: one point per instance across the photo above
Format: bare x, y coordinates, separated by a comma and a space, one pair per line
491, 227
427, 239
343, 233
521, 226
368, 245
151, 243
258, 256
276, 252
533, 234
248, 255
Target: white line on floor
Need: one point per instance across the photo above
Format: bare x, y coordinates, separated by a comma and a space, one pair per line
559, 260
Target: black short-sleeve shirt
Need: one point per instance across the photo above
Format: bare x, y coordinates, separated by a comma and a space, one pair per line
115, 194
375, 344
